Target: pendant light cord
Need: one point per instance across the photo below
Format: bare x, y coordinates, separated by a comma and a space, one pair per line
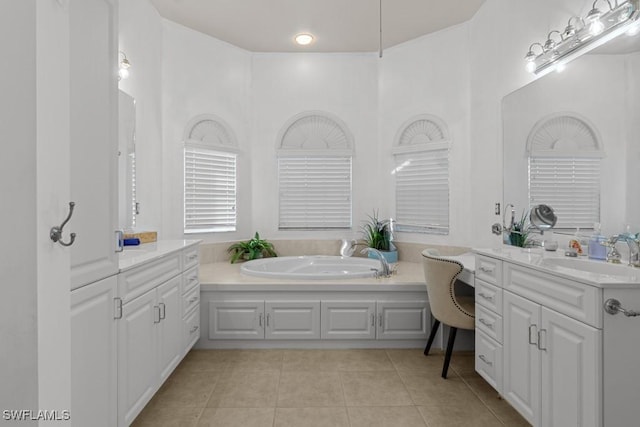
380, 41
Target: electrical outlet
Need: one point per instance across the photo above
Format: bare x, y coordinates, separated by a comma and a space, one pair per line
497, 208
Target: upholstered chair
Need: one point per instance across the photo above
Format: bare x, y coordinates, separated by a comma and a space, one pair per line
457, 312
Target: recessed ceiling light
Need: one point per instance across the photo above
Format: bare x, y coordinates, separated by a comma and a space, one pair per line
304, 39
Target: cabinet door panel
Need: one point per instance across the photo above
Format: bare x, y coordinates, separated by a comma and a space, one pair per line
348, 320
402, 320
236, 320
571, 372
93, 106
137, 357
170, 333
292, 319
521, 359
488, 360
94, 354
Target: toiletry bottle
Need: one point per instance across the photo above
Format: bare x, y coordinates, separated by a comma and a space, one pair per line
596, 248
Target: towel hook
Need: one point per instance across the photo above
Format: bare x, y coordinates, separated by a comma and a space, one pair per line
56, 232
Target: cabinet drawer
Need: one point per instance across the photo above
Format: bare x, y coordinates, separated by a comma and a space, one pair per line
190, 299
574, 299
191, 331
137, 281
190, 257
489, 270
489, 296
488, 360
190, 279
489, 323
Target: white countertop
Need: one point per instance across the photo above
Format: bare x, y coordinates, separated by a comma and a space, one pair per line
133, 256
534, 258
224, 276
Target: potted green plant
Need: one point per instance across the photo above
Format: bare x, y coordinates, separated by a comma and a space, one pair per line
377, 234
519, 233
251, 249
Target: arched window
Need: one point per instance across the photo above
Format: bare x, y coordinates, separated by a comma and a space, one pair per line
315, 150
210, 157
565, 152
421, 153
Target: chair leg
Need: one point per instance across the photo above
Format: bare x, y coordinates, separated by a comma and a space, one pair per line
432, 335
447, 356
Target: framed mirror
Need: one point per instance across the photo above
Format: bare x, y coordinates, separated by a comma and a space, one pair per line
128, 206
572, 140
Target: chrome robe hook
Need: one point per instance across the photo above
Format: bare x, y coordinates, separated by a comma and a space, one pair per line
56, 232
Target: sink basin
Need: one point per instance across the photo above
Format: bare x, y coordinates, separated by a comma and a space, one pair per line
596, 267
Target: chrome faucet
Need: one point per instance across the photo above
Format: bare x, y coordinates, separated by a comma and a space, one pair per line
386, 270
613, 256
634, 248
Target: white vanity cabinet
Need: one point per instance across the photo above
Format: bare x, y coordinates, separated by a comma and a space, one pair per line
151, 326
543, 351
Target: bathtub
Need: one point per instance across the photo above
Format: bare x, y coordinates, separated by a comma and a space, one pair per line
312, 267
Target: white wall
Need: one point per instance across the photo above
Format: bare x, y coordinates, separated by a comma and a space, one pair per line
140, 38
284, 85
633, 143
18, 297
202, 75
422, 76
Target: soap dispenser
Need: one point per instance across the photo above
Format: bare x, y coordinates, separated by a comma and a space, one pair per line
597, 250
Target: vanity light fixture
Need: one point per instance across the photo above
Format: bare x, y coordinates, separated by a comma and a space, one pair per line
582, 35
304, 39
123, 67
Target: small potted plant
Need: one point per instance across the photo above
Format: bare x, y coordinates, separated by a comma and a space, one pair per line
377, 235
251, 249
519, 233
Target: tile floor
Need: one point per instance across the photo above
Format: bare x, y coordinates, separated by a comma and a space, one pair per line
308, 388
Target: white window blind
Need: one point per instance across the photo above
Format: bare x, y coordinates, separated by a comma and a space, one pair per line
570, 185
315, 192
209, 190
422, 191
133, 198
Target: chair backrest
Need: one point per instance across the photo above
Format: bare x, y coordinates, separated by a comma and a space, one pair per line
440, 276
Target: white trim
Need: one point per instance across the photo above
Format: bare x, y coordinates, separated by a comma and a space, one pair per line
544, 126
439, 124
232, 142
324, 114
432, 146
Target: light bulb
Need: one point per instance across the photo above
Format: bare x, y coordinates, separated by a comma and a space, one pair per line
596, 27
304, 39
560, 68
633, 30
531, 66
123, 73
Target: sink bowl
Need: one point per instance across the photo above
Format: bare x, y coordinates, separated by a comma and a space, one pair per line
596, 267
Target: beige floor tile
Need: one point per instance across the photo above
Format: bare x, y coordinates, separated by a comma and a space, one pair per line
374, 389
500, 407
336, 360
461, 414
365, 360
463, 363
206, 360
311, 417
255, 389
389, 416
308, 389
187, 389
237, 417
430, 389
414, 360
162, 416
256, 360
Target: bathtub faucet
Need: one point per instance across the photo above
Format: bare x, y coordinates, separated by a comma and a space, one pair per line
386, 270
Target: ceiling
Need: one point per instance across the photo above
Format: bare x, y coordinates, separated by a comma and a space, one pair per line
337, 25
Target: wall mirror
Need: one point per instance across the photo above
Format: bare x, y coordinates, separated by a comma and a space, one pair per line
563, 130
127, 204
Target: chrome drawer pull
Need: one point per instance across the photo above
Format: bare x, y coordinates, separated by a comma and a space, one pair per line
195, 328
532, 334
542, 333
485, 296
486, 269
192, 300
485, 323
484, 359
612, 306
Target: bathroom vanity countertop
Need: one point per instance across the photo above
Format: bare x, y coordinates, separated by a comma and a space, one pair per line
133, 256
224, 276
538, 259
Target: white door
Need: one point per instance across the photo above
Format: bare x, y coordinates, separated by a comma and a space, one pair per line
403, 319
571, 372
521, 357
242, 320
348, 320
94, 354
94, 138
170, 348
137, 355
292, 319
